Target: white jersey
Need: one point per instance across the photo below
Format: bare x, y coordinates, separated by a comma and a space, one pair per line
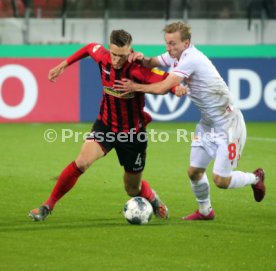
207, 89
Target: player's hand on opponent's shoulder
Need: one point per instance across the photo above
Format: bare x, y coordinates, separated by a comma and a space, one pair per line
180, 90
57, 71
135, 56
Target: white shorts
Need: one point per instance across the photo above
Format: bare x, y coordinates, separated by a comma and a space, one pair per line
223, 143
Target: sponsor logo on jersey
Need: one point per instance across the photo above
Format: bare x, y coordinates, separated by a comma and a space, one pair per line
111, 91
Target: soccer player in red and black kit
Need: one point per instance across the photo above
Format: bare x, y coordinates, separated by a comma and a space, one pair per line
118, 114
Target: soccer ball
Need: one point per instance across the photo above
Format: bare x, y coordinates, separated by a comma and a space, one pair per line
138, 211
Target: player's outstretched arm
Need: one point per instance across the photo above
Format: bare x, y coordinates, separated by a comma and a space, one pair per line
78, 55
161, 87
57, 71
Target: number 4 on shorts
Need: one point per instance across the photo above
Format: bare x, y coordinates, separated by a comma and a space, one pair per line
138, 160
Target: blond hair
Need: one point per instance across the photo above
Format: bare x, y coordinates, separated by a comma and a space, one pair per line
182, 28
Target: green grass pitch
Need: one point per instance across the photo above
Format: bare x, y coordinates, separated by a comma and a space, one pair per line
87, 231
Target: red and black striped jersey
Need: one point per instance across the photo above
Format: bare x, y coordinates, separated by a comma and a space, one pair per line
120, 113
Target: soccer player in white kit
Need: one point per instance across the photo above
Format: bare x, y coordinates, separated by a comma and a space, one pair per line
221, 133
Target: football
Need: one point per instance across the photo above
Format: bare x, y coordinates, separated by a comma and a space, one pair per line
138, 211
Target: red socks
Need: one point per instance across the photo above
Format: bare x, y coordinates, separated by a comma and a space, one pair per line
69, 177
65, 182
146, 191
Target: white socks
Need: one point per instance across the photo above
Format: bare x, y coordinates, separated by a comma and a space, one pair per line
201, 191
241, 179
201, 188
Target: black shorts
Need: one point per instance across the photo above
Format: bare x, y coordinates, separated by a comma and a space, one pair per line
130, 148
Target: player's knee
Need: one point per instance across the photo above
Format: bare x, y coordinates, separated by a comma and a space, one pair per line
195, 174
83, 164
220, 182
132, 191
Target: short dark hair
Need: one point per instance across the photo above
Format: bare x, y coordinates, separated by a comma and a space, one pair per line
120, 38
